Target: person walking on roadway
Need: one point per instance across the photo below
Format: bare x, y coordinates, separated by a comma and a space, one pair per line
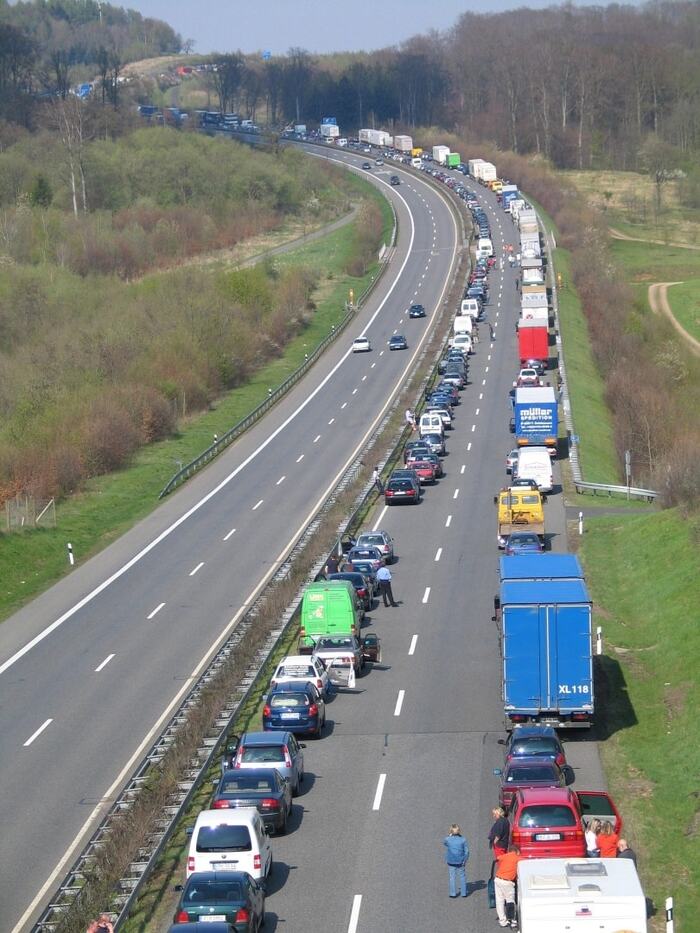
410, 419
492, 332
456, 856
377, 480
384, 580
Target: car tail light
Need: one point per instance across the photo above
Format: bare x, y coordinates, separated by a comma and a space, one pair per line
516, 837
313, 709
573, 835
257, 861
319, 685
220, 805
269, 803
190, 864
388, 492
362, 591
287, 759
560, 760
517, 718
243, 915
182, 917
266, 710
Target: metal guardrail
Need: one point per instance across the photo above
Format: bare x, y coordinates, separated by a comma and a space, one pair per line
219, 445
611, 489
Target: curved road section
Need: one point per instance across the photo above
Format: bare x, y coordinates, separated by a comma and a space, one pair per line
91, 671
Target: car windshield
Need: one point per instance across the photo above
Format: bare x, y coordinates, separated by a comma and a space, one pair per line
223, 838
524, 539
372, 539
324, 643
547, 815
247, 782
523, 775
258, 754
295, 670
213, 892
401, 484
288, 700
535, 746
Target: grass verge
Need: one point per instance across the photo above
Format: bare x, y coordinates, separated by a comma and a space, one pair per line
643, 572
684, 300
31, 561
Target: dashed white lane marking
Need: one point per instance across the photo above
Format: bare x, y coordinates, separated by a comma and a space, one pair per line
280, 480
448, 521
199, 565
381, 352
483, 382
38, 732
381, 518
399, 702
343, 405
438, 554
257, 504
355, 913
103, 665
477, 412
489, 357
486, 370
317, 439
154, 613
364, 377
481, 395
331, 421
373, 365
378, 793
299, 459
456, 493
412, 646
426, 595
233, 530
473, 428
354, 391
469, 446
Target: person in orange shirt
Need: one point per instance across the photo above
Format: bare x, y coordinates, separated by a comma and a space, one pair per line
504, 884
607, 840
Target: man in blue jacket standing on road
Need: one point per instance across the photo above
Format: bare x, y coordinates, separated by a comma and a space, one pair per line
456, 855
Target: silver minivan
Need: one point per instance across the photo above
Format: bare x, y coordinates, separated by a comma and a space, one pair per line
278, 750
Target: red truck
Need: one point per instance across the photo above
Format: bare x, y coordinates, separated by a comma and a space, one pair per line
533, 341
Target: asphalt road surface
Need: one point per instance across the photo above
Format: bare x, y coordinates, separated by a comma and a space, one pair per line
90, 671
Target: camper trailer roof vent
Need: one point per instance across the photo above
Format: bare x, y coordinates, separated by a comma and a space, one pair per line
586, 868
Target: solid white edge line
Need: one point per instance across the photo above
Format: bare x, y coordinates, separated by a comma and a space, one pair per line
154, 612
355, 913
103, 664
106, 802
412, 647
379, 791
426, 595
399, 702
380, 519
38, 732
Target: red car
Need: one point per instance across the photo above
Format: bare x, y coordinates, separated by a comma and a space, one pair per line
548, 823
425, 470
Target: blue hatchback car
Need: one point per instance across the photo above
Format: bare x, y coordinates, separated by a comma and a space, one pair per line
295, 707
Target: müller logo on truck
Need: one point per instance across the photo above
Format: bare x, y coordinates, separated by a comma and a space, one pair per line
536, 415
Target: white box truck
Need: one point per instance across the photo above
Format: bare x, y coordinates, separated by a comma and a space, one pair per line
440, 154
472, 165
363, 135
403, 143
330, 130
581, 896
487, 172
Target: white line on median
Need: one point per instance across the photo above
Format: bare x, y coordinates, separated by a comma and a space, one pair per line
104, 664
380, 519
426, 595
37, 733
438, 554
448, 521
412, 647
233, 530
158, 608
355, 913
380, 790
199, 565
399, 704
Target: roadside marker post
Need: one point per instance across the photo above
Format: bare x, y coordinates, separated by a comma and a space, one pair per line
71, 558
669, 915
580, 523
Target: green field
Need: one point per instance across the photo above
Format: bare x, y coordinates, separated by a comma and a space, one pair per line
644, 576
685, 304
32, 560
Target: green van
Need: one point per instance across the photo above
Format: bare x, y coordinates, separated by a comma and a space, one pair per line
328, 608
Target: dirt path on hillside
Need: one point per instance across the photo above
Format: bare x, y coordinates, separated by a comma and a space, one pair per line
658, 300
619, 235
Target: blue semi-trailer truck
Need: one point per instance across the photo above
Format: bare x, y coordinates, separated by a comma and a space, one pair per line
547, 646
536, 416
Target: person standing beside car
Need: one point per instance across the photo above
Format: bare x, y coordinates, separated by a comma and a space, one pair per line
384, 580
499, 834
456, 856
504, 883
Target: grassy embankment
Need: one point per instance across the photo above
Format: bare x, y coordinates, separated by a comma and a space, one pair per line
591, 417
643, 573
110, 504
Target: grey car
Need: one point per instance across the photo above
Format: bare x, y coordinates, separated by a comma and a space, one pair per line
379, 539
279, 751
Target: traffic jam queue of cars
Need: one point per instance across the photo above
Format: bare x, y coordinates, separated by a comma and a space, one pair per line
567, 878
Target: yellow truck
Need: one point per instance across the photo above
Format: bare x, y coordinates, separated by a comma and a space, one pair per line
416, 152
520, 508
496, 185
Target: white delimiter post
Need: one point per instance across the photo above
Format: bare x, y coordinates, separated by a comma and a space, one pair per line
669, 915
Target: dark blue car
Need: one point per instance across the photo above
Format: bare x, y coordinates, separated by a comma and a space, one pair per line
294, 707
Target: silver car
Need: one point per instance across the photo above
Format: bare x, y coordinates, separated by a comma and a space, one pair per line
345, 649
378, 539
273, 750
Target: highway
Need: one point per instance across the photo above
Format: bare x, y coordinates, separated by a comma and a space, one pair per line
91, 670
413, 749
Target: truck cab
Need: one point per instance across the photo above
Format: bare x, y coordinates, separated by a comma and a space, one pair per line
519, 509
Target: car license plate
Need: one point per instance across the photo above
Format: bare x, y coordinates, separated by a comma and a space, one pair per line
290, 715
213, 918
547, 837
224, 866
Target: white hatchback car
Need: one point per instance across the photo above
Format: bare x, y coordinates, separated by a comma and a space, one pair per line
361, 345
304, 668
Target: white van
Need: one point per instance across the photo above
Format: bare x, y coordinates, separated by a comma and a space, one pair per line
462, 342
462, 324
230, 840
430, 423
470, 306
416, 162
484, 248
583, 895
535, 463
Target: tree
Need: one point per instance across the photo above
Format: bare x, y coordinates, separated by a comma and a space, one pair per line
41, 194
227, 80
660, 159
67, 117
